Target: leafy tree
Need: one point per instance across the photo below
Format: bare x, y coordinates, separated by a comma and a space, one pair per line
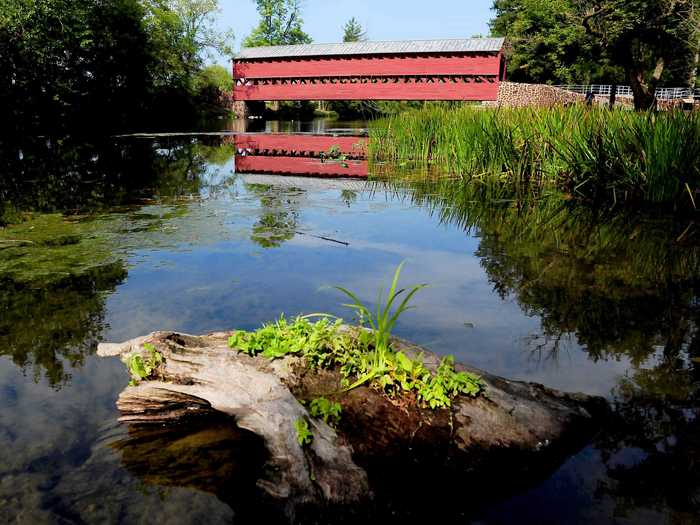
183, 33
68, 63
645, 43
548, 44
216, 76
214, 86
353, 31
648, 38
280, 24
100, 64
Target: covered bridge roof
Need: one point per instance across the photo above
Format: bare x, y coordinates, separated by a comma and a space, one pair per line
468, 45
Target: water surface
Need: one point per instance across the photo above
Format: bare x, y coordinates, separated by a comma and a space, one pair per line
161, 233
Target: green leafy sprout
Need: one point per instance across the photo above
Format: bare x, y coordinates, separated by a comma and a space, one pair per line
327, 410
304, 435
142, 367
334, 154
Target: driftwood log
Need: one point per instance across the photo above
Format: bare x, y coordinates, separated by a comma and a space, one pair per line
516, 430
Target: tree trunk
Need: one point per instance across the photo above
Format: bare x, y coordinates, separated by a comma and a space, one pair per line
613, 95
512, 434
645, 91
643, 98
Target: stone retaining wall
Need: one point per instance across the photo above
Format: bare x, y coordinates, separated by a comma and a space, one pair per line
516, 95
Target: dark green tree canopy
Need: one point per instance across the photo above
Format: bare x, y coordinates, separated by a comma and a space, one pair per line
101, 64
644, 43
63, 61
183, 34
353, 32
549, 45
654, 41
280, 24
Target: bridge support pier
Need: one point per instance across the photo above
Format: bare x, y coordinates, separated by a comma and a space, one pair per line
244, 109
240, 109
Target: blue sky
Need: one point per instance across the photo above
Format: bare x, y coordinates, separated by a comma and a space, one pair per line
382, 19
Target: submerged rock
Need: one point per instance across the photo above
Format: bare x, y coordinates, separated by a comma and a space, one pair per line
514, 431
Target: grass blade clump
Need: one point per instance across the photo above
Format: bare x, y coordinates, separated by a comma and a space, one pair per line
382, 323
596, 156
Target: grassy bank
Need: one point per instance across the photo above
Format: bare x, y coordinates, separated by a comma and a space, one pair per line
594, 155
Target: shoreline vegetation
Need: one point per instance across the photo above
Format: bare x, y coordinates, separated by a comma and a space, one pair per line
598, 157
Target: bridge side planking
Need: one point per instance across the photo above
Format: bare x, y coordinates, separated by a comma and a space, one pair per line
456, 69
370, 66
282, 165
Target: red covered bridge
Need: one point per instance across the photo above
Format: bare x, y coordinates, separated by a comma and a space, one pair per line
468, 69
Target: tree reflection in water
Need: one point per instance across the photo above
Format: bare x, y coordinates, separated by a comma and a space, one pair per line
623, 286
78, 211
46, 328
279, 214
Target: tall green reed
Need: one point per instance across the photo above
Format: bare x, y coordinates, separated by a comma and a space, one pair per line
381, 321
594, 155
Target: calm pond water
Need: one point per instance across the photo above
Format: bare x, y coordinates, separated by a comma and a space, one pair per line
161, 233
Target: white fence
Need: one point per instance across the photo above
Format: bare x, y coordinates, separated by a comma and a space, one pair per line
665, 93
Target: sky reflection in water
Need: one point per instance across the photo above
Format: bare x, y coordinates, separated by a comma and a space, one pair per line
217, 250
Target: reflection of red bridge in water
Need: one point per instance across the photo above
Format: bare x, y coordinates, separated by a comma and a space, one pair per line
468, 69
301, 154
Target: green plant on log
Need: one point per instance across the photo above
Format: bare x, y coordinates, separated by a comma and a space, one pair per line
317, 341
432, 390
327, 410
304, 435
447, 383
142, 367
361, 355
382, 323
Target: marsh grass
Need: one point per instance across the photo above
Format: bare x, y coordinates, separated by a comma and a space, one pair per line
597, 156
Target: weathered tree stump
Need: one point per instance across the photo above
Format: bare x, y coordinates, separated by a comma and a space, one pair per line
521, 427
